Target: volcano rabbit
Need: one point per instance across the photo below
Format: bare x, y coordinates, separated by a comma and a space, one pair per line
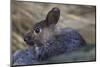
46, 41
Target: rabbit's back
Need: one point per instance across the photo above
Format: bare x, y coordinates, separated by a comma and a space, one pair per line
71, 38
67, 41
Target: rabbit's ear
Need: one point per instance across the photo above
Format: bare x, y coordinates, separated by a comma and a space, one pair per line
53, 16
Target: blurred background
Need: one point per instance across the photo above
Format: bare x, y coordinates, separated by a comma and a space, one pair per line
25, 14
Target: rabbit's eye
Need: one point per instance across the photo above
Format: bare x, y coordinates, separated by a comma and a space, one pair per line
37, 30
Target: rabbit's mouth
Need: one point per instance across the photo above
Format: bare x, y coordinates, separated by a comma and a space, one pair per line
31, 41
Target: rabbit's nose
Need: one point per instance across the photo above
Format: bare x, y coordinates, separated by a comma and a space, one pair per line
28, 39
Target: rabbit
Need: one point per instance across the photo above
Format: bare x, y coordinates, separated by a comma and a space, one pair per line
46, 41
